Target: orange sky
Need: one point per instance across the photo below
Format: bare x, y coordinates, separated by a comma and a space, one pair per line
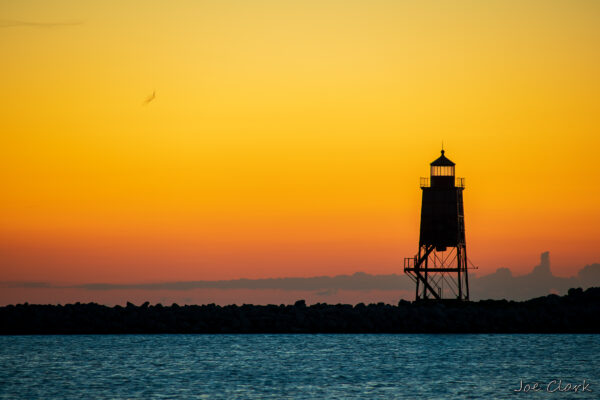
288, 138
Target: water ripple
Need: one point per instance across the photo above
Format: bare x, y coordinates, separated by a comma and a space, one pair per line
294, 366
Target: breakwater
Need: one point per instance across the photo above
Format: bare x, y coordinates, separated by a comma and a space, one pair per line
576, 312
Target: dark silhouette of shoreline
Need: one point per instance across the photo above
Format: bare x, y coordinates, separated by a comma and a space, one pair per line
576, 312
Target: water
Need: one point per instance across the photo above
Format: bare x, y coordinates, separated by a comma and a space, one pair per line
295, 366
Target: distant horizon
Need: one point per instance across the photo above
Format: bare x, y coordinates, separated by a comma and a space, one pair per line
387, 288
89, 285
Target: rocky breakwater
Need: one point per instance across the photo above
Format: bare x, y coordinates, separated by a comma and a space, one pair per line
576, 312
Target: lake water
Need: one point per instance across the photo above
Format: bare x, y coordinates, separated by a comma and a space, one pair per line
297, 366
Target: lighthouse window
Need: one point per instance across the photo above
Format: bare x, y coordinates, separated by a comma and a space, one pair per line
442, 171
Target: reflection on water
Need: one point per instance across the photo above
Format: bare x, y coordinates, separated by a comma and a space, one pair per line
296, 366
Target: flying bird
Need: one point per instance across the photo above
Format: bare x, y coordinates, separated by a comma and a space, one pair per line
150, 98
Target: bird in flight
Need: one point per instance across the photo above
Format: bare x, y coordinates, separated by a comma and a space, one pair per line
150, 98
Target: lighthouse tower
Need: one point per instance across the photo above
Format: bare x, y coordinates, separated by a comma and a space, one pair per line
440, 267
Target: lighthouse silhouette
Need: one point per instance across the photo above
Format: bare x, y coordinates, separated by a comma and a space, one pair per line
439, 269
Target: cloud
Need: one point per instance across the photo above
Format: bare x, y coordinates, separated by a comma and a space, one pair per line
13, 23
357, 281
327, 292
498, 285
26, 285
539, 282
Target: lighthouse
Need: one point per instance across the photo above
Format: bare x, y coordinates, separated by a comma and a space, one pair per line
439, 269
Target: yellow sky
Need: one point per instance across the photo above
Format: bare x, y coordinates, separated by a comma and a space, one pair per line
287, 128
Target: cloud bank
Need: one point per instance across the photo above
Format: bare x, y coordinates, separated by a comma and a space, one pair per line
498, 285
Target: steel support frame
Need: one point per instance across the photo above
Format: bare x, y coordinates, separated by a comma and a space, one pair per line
430, 269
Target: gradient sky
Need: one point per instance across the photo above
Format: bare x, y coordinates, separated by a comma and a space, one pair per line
287, 138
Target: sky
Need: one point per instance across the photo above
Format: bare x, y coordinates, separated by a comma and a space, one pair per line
287, 139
